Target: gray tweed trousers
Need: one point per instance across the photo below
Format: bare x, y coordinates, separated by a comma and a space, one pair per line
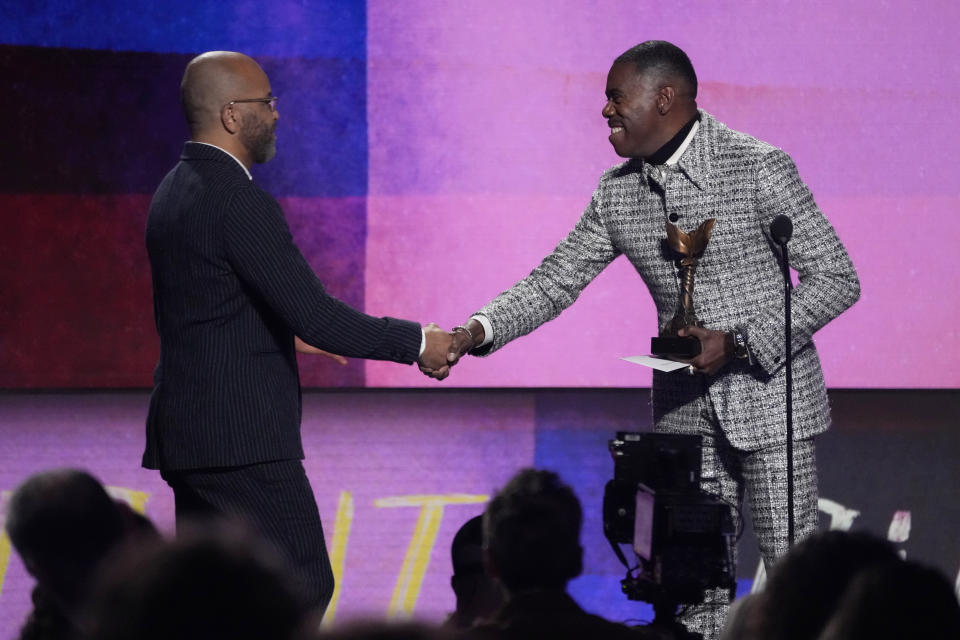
761, 475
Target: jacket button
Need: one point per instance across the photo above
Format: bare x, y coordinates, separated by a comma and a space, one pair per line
674, 217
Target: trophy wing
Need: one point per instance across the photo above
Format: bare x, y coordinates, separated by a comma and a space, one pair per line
678, 240
698, 239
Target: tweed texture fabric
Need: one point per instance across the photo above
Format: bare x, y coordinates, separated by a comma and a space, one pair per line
761, 476
744, 184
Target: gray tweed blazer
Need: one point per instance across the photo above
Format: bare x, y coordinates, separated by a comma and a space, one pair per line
743, 183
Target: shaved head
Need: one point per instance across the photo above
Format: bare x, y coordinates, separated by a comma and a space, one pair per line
213, 79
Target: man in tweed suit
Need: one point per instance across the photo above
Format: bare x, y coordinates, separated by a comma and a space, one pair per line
686, 167
232, 293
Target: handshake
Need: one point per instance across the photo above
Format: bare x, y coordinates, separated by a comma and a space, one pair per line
445, 349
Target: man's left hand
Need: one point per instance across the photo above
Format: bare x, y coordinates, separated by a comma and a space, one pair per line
303, 347
716, 347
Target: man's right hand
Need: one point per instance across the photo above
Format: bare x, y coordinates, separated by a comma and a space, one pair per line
716, 349
465, 338
462, 340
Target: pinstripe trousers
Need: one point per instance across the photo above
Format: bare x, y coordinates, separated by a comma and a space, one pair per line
729, 473
276, 501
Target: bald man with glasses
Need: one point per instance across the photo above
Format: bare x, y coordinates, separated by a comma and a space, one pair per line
234, 299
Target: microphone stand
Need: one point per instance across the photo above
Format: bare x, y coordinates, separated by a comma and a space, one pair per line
789, 365
781, 230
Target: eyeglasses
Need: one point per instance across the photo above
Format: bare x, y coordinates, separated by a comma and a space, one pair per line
270, 102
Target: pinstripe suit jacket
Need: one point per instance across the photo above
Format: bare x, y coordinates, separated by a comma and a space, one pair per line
230, 290
743, 183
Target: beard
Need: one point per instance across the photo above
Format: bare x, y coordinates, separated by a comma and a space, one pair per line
259, 138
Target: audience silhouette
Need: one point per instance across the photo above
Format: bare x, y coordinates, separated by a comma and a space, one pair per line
214, 584
895, 601
103, 573
64, 525
478, 595
531, 531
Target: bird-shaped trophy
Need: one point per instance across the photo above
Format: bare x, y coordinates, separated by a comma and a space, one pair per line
690, 247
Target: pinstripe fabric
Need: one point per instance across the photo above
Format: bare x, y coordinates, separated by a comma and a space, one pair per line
729, 472
230, 291
743, 183
276, 501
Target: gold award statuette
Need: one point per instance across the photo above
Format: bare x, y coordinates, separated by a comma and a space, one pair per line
689, 246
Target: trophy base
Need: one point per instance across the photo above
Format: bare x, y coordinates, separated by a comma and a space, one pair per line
675, 346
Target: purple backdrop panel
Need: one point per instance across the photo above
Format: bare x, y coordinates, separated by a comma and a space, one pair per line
331, 234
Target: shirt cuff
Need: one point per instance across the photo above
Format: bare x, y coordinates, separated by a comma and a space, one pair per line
423, 341
487, 330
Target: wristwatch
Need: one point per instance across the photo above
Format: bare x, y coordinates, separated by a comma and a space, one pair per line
740, 348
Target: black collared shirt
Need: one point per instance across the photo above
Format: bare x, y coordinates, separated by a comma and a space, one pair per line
663, 154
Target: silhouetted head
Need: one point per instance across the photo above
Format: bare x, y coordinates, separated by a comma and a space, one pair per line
466, 550
532, 532
478, 595
807, 583
63, 523
894, 601
205, 586
387, 631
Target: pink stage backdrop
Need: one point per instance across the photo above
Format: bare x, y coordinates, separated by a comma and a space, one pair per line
486, 142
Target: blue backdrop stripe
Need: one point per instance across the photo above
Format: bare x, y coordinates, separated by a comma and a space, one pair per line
285, 28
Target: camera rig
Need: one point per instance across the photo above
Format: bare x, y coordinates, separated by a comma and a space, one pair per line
682, 537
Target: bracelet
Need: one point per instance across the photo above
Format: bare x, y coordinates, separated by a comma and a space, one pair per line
466, 331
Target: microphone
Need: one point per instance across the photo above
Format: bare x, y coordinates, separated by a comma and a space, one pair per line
781, 229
